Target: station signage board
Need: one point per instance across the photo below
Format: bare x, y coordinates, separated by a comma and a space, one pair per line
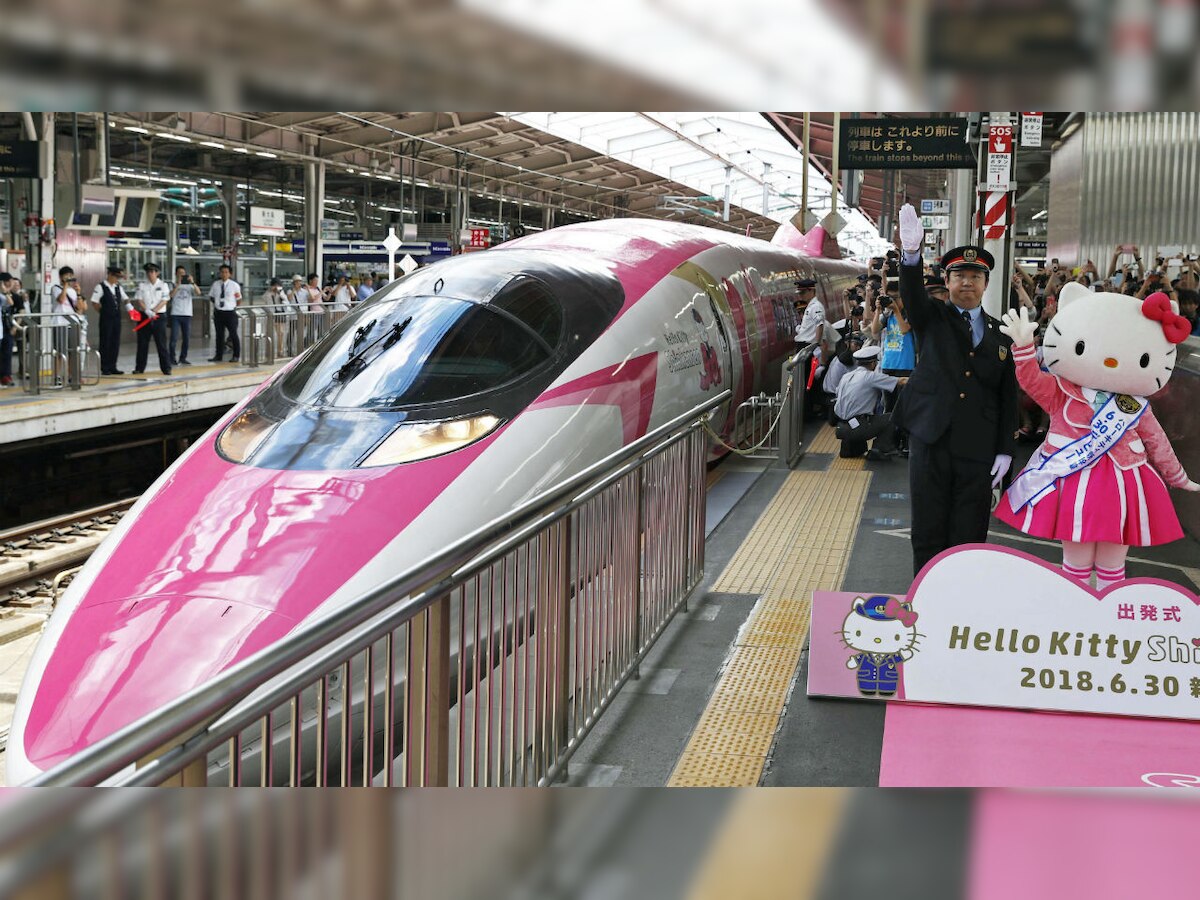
935, 223
268, 221
20, 159
935, 207
999, 159
1031, 129
988, 626
329, 230
1030, 248
476, 237
894, 143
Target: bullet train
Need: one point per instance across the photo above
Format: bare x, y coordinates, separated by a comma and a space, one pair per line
447, 398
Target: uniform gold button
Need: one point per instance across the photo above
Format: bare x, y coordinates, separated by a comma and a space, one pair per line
962, 396
971, 353
968, 374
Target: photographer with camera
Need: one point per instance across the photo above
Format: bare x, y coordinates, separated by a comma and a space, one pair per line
180, 312
894, 333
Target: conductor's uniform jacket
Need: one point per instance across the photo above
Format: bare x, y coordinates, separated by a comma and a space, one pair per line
961, 404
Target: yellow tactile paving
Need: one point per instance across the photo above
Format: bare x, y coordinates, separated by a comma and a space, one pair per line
852, 464
771, 844
801, 544
824, 442
727, 769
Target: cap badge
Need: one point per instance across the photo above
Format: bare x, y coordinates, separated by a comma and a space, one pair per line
970, 255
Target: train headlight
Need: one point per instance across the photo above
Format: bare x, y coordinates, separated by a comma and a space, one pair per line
242, 436
421, 440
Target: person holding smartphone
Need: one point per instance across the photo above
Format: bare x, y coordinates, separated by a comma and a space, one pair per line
183, 294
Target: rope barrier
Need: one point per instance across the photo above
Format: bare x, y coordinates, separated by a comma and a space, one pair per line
747, 451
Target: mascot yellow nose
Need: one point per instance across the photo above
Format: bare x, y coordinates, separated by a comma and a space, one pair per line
1110, 362
879, 640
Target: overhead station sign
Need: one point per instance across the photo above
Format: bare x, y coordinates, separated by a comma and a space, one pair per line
939, 143
987, 626
268, 221
20, 159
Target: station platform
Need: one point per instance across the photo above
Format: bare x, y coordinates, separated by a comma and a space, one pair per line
128, 398
722, 701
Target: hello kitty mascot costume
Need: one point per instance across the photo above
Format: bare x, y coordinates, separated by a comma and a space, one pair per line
1097, 483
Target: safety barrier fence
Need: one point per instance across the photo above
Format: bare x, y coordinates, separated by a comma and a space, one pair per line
271, 332
487, 665
313, 845
53, 353
769, 427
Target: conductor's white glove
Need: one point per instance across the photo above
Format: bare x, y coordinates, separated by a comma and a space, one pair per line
1018, 327
912, 234
1000, 468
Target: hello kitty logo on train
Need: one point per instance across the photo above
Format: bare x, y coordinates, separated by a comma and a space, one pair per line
1099, 482
882, 632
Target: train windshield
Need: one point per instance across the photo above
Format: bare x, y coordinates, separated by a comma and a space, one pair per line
418, 350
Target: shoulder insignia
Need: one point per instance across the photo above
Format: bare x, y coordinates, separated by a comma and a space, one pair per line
1003, 353
1127, 404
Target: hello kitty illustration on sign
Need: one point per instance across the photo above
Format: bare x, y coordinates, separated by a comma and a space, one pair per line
882, 632
1099, 482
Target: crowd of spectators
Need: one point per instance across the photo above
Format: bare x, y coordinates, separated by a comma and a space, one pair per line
871, 315
167, 310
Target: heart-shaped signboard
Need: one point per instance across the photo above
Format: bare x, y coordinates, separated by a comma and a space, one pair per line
996, 627
1001, 628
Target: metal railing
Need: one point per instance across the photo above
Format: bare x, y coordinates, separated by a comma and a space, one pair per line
769, 427
754, 426
54, 354
270, 332
313, 845
487, 665
791, 418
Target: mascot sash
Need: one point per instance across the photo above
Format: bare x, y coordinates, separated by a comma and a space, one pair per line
1109, 425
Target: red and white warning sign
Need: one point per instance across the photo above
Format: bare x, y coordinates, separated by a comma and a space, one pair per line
999, 160
1031, 129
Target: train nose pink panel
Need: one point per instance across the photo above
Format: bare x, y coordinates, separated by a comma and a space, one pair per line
126, 658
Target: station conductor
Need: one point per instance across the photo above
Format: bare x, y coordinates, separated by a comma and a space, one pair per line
960, 407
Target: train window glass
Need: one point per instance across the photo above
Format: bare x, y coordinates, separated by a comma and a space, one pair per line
412, 351
529, 302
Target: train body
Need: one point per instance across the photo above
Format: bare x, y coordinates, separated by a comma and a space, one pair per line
433, 408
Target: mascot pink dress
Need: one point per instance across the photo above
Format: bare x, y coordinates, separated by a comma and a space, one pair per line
1099, 482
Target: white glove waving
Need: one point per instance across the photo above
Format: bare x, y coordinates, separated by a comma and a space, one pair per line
912, 234
1000, 468
1018, 327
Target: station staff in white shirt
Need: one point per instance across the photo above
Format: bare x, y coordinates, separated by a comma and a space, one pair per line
151, 300
226, 294
859, 406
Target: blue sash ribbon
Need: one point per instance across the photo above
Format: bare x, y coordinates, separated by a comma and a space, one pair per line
1109, 424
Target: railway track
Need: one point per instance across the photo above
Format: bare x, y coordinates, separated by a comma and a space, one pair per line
38, 560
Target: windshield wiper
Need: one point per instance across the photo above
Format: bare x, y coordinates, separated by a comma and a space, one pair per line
355, 363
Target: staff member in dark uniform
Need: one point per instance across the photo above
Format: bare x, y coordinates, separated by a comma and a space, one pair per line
960, 407
108, 298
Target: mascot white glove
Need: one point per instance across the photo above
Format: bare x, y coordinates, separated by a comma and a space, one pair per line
1191, 486
1000, 468
912, 234
1018, 327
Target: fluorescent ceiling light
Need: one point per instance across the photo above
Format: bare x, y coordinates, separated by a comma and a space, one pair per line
214, 144
183, 139
240, 150
1039, 215
266, 154
137, 129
